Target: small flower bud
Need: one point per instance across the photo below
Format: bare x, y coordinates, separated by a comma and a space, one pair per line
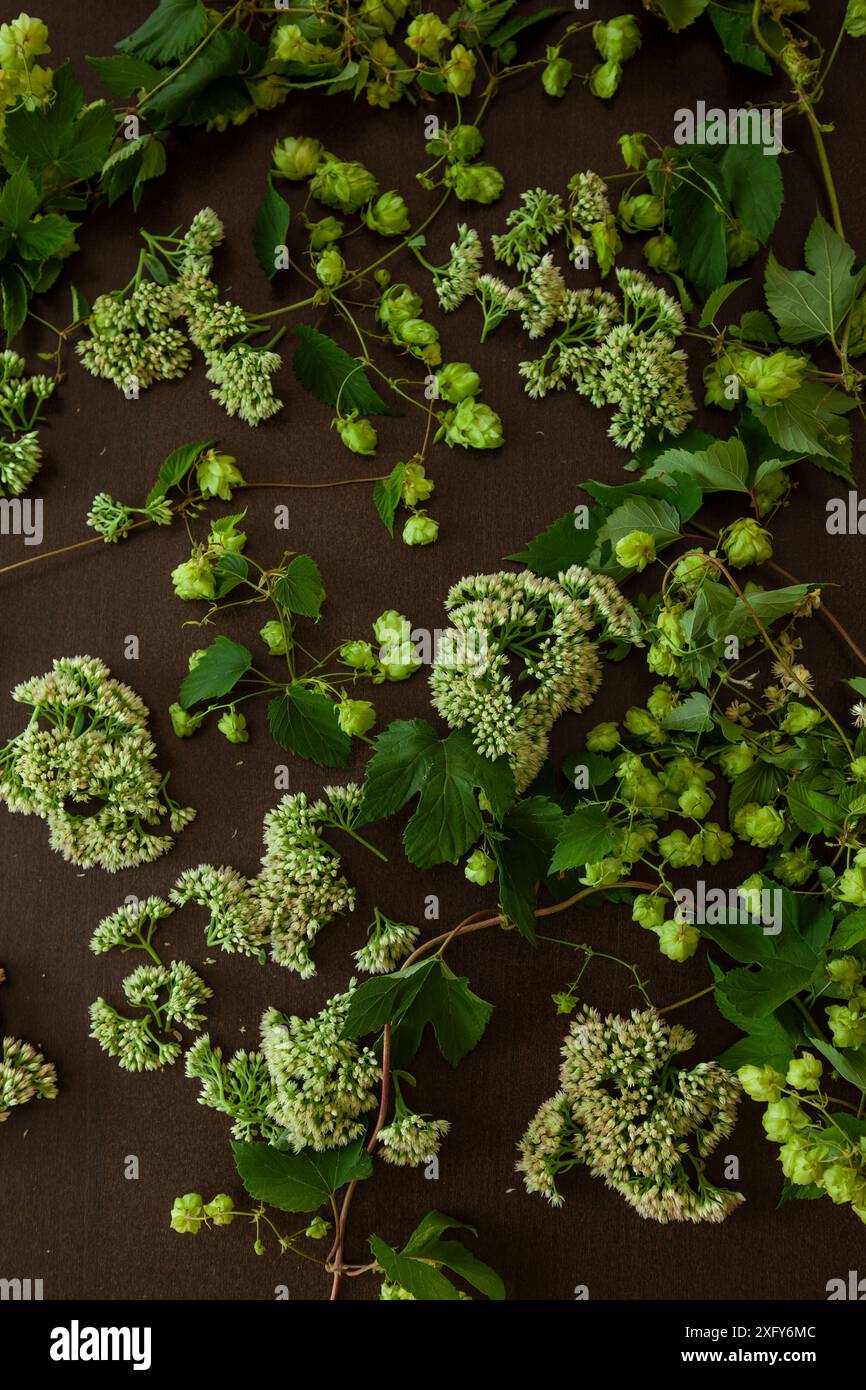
297, 157
274, 637
746, 542
636, 550
389, 215
194, 579
216, 475
480, 868
233, 726
183, 723
359, 655
357, 434
355, 716
420, 529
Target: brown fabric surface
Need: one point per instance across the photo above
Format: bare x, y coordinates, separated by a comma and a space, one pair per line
67, 1214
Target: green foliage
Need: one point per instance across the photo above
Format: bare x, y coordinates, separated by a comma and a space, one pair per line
418, 1267
299, 1181
270, 229
426, 993
223, 664
328, 372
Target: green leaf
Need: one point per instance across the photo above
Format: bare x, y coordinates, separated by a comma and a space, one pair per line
811, 421
585, 836
306, 723
426, 993
86, 143
699, 232
657, 518
176, 467
328, 372
760, 783
387, 495
422, 1280
809, 306
409, 760
767, 1042
300, 589
123, 74
299, 1181
786, 960
218, 672
512, 27
734, 28
42, 238
723, 467
691, 715
231, 570
15, 295
753, 182
19, 199
185, 99
80, 306
170, 32
271, 228
850, 931
814, 811
717, 299
681, 13
851, 1063
766, 606
563, 544
757, 327
151, 166
529, 834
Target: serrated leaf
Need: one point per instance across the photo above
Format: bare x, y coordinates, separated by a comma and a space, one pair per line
851, 1064
760, 783
699, 232
422, 1280
723, 467
767, 606
426, 993
19, 199
300, 590
657, 518
561, 545
397, 768
15, 295
512, 27
585, 837
43, 237
170, 32
734, 28
753, 183
757, 327
811, 421
328, 372
124, 73
270, 229
387, 495
299, 1181
306, 723
529, 832
681, 13
218, 671
231, 570
176, 467
812, 304
814, 811
718, 297
184, 100
87, 142
692, 715
850, 931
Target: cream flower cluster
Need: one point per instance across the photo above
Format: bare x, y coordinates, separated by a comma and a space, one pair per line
171, 995
635, 1118
544, 625
88, 742
21, 399
134, 341
24, 1073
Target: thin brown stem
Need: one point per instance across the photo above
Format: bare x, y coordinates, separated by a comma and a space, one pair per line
336, 1255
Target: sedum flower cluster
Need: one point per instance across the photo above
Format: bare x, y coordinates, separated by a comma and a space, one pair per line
387, 944
170, 996
618, 350
240, 1088
21, 400
635, 1118
820, 1151
88, 743
24, 1073
544, 624
135, 338
323, 1083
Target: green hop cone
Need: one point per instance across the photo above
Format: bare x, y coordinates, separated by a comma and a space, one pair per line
858, 769
274, 637
459, 71
736, 758
224, 537
800, 1162
618, 40
424, 35
389, 215
194, 579
459, 144
758, 825
457, 380
633, 149
641, 723
846, 974
782, 1118
183, 723
557, 74
746, 542
695, 802
397, 656
770, 380
220, 1211
344, 185
847, 1025
330, 268
392, 626
187, 1214
692, 569
641, 213
475, 183
799, 719
648, 910
416, 486
216, 475
740, 245
233, 726
420, 529
794, 867
480, 868
417, 332
603, 738
804, 1072
679, 850
606, 243
749, 891
604, 80
318, 1228
855, 19
678, 940
662, 701
297, 157
850, 886
772, 491
716, 844
661, 255
355, 716
358, 655
196, 658
356, 433
471, 425
842, 1183
636, 550
324, 232
761, 1083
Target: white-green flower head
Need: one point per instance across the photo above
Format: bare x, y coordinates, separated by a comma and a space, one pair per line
545, 625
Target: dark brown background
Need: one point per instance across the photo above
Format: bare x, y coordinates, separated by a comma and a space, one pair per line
68, 1214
